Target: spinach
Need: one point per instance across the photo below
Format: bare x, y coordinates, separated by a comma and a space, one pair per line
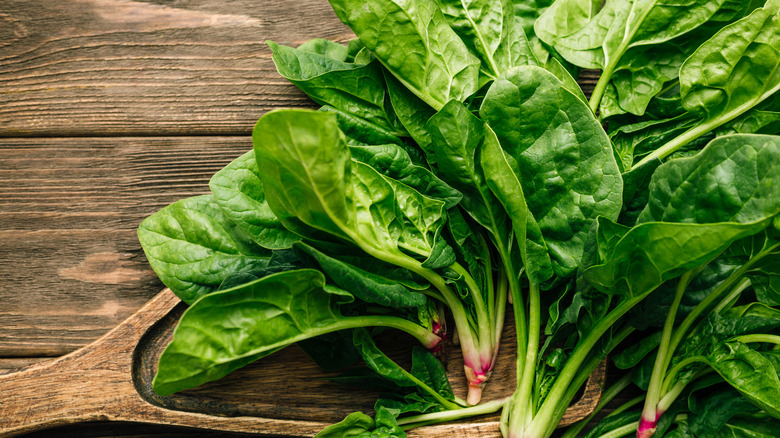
455, 167
226, 330
732, 72
562, 157
419, 49
238, 190
592, 36
193, 247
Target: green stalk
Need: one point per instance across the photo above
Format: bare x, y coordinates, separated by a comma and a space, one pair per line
503, 284
570, 370
483, 313
676, 370
737, 275
526, 380
606, 397
621, 431
695, 132
664, 357
600, 88
606, 74
729, 300
672, 392
583, 374
440, 417
760, 337
426, 338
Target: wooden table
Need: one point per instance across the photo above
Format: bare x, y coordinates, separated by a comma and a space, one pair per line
110, 110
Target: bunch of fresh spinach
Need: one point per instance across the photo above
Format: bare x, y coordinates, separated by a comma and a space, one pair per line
455, 166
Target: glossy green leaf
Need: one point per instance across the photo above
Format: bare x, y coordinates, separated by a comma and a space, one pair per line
431, 371
414, 42
592, 36
359, 425
367, 286
428, 377
632, 355
192, 246
394, 162
491, 32
412, 111
505, 185
226, 330
747, 427
331, 351
327, 48
635, 140
561, 155
313, 184
764, 274
356, 425
733, 179
654, 252
749, 373
456, 135
360, 130
238, 191
355, 89
735, 69
711, 411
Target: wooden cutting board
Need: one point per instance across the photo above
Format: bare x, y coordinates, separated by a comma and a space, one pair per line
282, 395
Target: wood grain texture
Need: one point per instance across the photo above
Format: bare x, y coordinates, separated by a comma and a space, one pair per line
118, 67
122, 67
71, 264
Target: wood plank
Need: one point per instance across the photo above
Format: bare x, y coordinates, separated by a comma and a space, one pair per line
122, 67
119, 67
71, 264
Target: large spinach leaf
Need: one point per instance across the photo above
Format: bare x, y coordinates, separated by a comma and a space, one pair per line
312, 184
491, 32
734, 179
238, 190
590, 35
732, 72
413, 41
193, 247
356, 89
561, 156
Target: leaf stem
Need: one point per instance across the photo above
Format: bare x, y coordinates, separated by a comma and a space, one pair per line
425, 336
664, 356
570, 370
606, 397
682, 330
483, 317
582, 376
440, 417
759, 337
621, 431
527, 379
708, 125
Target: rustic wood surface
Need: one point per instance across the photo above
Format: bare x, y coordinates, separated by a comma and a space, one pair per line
109, 110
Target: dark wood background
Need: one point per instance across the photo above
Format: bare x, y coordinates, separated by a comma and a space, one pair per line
110, 110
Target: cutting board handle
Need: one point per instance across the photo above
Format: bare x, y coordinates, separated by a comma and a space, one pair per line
93, 383
97, 383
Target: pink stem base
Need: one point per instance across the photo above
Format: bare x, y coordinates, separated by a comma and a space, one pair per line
646, 428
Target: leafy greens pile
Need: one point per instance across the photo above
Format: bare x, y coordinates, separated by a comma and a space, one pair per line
455, 168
